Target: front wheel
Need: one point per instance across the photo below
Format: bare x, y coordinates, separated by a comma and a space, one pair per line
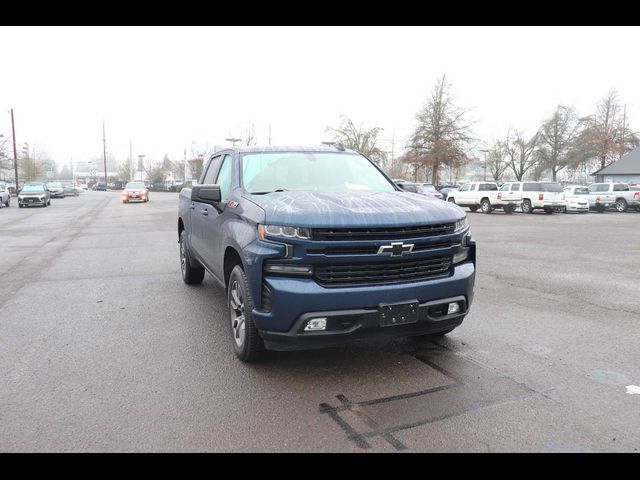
247, 343
190, 275
473, 208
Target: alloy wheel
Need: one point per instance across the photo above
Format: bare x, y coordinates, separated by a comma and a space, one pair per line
236, 308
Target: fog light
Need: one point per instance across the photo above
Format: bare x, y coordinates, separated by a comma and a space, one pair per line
461, 256
453, 308
316, 324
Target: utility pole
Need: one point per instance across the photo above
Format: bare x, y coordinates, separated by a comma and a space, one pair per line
269, 134
15, 153
104, 151
130, 161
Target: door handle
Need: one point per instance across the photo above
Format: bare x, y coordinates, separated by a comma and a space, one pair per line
193, 206
204, 212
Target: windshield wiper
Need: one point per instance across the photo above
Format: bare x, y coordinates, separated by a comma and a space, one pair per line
270, 191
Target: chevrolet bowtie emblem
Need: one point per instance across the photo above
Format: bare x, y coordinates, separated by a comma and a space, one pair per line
396, 249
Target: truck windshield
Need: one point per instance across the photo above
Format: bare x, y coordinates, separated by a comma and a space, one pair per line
310, 171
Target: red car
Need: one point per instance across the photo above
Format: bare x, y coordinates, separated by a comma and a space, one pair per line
135, 191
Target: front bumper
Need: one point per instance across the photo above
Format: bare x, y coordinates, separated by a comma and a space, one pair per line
353, 311
28, 202
577, 208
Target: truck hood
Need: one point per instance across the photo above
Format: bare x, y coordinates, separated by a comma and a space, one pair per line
354, 209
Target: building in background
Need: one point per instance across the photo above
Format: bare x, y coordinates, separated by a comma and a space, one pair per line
625, 170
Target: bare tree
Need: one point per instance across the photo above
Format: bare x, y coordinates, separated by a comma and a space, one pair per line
521, 153
250, 135
497, 160
360, 139
557, 140
442, 134
124, 172
416, 160
6, 159
607, 135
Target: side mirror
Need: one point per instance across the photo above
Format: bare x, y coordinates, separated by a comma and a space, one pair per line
206, 193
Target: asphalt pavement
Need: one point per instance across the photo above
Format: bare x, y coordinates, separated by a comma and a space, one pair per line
103, 348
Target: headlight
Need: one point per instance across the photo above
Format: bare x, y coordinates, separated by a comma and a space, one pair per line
41, 197
303, 233
461, 225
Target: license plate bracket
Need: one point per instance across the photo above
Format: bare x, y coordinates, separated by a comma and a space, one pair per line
398, 313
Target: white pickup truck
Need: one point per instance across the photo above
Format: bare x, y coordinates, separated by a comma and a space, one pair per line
482, 195
530, 196
623, 195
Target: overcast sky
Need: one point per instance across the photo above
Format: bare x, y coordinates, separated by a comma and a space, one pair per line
166, 87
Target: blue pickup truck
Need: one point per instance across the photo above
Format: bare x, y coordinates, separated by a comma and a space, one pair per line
316, 246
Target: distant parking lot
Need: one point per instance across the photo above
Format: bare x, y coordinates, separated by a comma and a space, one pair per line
104, 347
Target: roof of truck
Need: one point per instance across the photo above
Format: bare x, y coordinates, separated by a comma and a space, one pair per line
290, 148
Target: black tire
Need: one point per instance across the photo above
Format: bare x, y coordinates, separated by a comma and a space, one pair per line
621, 205
473, 208
637, 209
509, 209
20, 205
49, 202
192, 271
526, 206
45, 204
548, 211
8, 202
485, 206
246, 341
599, 208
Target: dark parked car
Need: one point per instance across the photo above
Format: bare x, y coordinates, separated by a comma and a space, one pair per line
429, 190
316, 246
55, 189
34, 194
70, 189
100, 187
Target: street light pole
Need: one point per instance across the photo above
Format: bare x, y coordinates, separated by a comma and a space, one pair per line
15, 152
104, 151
